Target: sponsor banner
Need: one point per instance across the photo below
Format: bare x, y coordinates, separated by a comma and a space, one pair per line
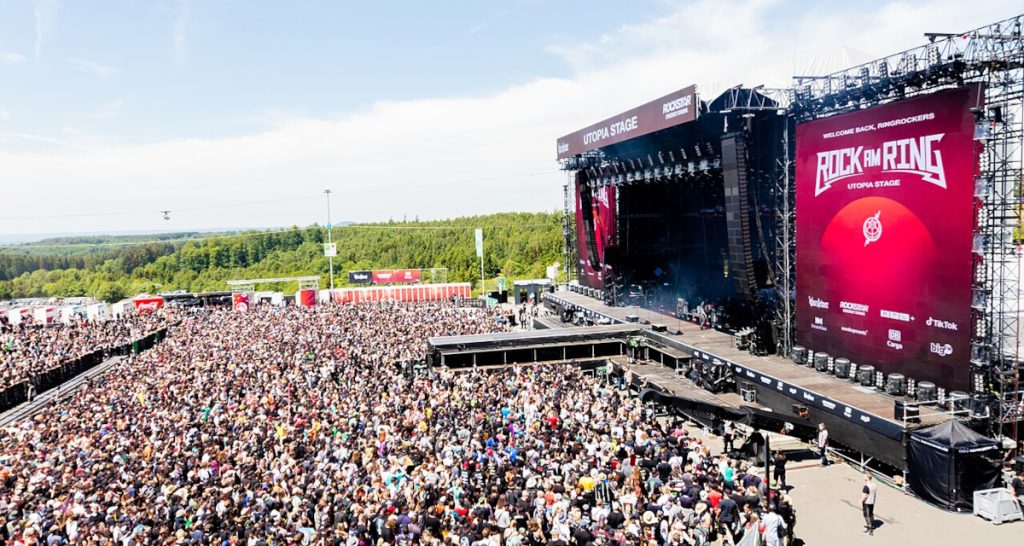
420, 293
148, 305
884, 230
360, 277
891, 429
240, 302
668, 111
330, 250
305, 298
603, 204
390, 276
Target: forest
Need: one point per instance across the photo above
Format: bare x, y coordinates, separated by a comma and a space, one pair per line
516, 246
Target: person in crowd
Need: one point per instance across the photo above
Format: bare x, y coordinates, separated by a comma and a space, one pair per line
306, 426
779, 469
822, 444
867, 503
29, 350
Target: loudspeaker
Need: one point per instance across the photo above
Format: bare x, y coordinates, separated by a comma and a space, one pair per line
910, 414
658, 327
737, 216
866, 376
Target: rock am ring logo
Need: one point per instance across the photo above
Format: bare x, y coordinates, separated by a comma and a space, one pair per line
872, 228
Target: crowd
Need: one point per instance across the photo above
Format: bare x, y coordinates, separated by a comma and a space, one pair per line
29, 349
301, 426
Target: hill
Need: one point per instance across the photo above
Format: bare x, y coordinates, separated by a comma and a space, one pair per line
516, 245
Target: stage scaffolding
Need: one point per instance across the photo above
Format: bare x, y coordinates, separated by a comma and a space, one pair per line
993, 56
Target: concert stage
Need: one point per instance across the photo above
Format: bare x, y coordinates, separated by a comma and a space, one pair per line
857, 417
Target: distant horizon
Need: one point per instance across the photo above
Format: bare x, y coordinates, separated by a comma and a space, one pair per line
228, 113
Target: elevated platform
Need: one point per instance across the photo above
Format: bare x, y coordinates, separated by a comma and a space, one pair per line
554, 344
857, 417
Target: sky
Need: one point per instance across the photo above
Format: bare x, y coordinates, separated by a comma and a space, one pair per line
233, 113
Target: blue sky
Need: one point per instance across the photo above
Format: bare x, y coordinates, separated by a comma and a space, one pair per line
152, 70
111, 111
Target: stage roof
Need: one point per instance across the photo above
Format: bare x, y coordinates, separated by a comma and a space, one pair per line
673, 109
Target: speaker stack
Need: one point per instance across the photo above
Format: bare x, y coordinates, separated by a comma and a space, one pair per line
866, 376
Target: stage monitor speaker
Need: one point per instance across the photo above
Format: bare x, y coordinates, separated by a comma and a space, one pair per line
909, 414
735, 177
821, 362
658, 327
842, 368
980, 406
799, 355
927, 392
866, 376
896, 384
959, 401
632, 318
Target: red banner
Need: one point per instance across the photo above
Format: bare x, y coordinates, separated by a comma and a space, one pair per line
148, 304
240, 302
884, 233
603, 205
305, 298
391, 276
426, 292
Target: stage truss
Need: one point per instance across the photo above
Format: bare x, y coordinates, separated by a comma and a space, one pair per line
992, 55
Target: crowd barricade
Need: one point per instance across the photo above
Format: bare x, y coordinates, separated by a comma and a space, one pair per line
18, 393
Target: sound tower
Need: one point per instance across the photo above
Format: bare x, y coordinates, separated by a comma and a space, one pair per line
587, 209
737, 218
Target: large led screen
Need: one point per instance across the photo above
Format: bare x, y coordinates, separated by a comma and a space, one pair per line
884, 201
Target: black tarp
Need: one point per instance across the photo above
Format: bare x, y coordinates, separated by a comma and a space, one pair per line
949, 462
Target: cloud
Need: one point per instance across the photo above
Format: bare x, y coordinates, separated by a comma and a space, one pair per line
4, 115
179, 31
107, 111
45, 12
11, 57
465, 155
92, 67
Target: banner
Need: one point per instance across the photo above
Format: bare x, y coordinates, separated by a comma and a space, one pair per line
419, 293
479, 234
148, 304
330, 250
360, 277
603, 204
240, 302
305, 298
668, 111
388, 276
884, 201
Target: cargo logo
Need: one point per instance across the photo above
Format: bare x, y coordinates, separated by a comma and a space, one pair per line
906, 155
942, 349
895, 339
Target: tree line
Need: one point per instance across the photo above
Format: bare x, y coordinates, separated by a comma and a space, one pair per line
516, 245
